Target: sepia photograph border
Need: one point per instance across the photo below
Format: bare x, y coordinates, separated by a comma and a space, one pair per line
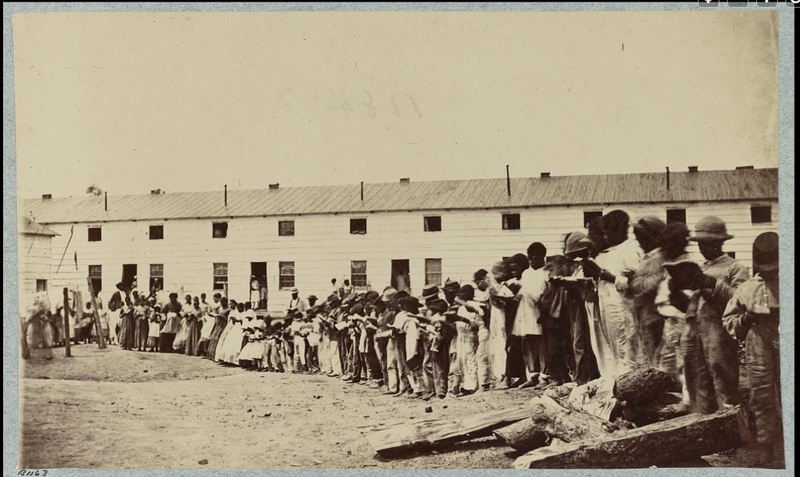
786, 97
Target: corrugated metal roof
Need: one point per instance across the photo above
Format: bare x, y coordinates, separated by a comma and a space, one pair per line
747, 184
28, 226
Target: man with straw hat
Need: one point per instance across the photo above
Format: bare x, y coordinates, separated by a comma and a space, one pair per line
711, 364
567, 278
753, 315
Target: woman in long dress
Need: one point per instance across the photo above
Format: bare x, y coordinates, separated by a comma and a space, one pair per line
233, 342
220, 323
223, 337
179, 344
209, 322
127, 331
195, 325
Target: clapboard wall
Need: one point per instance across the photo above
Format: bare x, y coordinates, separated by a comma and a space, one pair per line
34, 263
322, 247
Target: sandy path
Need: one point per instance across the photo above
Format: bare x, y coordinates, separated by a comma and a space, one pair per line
177, 423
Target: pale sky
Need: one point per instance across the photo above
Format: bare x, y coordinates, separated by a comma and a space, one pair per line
131, 102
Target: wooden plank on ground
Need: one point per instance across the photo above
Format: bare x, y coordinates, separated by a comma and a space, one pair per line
399, 439
658, 444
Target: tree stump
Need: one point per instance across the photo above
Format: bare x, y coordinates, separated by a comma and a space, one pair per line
643, 385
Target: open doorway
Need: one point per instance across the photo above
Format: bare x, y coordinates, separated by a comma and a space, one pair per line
400, 275
258, 285
129, 272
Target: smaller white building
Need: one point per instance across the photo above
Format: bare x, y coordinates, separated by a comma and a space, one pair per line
35, 245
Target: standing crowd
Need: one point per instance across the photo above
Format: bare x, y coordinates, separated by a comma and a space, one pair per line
606, 305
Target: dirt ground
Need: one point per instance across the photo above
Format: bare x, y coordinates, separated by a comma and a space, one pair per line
115, 409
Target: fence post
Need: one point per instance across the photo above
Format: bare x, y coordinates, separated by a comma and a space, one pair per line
67, 336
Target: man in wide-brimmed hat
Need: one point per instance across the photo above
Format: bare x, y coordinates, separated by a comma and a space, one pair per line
711, 365
295, 302
567, 279
753, 315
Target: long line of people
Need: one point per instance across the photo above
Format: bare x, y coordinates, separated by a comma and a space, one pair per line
606, 305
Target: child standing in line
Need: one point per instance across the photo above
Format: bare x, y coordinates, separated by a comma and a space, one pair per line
155, 329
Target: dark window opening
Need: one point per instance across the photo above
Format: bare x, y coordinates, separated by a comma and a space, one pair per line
761, 214
676, 215
433, 224
358, 226
286, 228
590, 215
156, 232
41, 285
511, 222
219, 229
95, 234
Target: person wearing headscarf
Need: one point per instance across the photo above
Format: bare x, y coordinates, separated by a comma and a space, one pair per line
500, 300
644, 287
194, 322
611, 270
127, 332
142, 313
171, 312
220, 316
187, 310
753, 315
711, 365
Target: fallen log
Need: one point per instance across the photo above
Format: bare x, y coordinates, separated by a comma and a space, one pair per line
643, 385
550, 417
394, 440
658, 444
522, 436
666, 406
596, 398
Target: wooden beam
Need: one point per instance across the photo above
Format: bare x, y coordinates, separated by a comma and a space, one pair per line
658, 444
393, 440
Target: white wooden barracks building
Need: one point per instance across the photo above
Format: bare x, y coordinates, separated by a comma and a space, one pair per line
370, 233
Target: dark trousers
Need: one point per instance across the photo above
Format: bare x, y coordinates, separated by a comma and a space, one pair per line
381, 344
